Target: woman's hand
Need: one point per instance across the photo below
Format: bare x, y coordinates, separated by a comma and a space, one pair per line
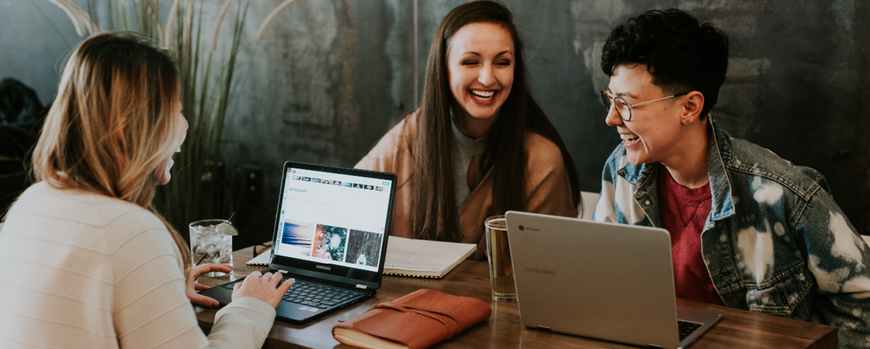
193, 287
267, 288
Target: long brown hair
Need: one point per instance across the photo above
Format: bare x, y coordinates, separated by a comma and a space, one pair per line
112, 122
434, 212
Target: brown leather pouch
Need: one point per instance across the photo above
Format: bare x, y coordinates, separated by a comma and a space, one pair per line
417, 320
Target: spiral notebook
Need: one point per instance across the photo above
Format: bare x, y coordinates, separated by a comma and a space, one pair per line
424, 258
412, 257
262, 259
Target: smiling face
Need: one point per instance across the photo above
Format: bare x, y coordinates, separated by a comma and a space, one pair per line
162, 171
480, 61
655, 130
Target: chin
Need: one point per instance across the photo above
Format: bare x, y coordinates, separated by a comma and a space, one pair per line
483, 114
636, 159
162, 177
483, 117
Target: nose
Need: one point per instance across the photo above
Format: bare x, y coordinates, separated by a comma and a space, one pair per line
613, 118
485, 75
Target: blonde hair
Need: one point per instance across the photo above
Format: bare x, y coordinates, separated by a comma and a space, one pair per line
113, 122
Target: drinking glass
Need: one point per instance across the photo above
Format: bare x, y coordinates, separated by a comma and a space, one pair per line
211, 241
501, 272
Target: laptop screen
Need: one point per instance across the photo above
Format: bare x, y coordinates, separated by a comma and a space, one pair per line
333, 222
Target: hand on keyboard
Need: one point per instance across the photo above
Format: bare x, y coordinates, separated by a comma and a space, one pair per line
267, 288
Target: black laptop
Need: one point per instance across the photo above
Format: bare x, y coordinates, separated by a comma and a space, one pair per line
330, 234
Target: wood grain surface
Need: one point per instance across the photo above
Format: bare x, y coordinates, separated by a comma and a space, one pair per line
737, 329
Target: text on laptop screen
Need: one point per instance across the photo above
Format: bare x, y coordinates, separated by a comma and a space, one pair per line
333, 218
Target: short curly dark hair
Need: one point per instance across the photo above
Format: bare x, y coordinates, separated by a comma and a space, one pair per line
681, 54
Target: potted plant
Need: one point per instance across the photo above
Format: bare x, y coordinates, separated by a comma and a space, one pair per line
199, 188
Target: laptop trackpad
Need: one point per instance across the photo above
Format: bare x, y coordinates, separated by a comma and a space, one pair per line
294, 312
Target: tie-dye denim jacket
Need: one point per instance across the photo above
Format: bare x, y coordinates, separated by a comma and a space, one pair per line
774, 242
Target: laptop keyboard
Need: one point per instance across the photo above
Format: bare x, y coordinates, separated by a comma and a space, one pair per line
686, 328
318, 296
314, 295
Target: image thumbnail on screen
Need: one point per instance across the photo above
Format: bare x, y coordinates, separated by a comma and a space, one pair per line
299, 236
329, 242
364, 248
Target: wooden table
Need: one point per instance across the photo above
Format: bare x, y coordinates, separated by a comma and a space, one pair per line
737, 329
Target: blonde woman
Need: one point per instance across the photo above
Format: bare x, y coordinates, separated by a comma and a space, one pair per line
86, 261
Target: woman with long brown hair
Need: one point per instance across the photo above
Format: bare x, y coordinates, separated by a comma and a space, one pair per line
87, 261
478, 145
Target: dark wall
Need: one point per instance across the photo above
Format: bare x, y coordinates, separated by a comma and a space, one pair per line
797, 81
324, 85
332, 76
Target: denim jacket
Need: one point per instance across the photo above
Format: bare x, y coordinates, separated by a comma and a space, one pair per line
774, 242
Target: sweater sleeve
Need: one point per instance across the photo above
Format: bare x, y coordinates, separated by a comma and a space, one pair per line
393, 154
547, 182
150, 307
233, 324
388, 153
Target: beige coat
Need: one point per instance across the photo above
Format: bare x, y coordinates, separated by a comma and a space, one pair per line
548, 187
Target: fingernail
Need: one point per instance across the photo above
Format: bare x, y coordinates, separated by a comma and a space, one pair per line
214, 304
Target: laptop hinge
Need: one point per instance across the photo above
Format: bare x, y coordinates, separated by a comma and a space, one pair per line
544, 327
650, 345
282, 271
361, 286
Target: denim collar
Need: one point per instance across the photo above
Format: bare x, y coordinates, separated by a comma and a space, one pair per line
718, 157
718, 161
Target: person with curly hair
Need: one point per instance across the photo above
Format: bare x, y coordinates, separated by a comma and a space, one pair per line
749, 229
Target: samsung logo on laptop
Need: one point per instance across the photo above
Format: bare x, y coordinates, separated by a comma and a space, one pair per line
540, 271
324, 267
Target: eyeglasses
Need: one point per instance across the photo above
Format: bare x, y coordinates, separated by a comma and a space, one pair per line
623, 108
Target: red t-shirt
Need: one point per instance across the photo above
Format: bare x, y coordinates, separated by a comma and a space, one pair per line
683, 212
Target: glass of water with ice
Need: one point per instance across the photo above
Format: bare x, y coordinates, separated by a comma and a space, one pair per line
211, 241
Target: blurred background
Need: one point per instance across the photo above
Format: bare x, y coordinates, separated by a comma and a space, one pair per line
331, 77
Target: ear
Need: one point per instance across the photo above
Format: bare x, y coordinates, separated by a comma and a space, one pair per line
694, 103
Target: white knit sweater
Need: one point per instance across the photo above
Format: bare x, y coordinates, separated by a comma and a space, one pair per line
81, 270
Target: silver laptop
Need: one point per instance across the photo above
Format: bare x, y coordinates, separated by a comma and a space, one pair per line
601, 280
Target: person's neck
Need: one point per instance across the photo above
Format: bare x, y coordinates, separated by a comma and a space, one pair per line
689, 168
470, 126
